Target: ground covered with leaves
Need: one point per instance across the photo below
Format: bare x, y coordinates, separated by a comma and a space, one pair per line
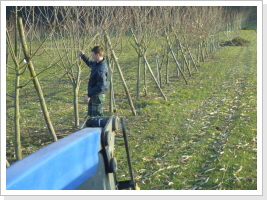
205, 136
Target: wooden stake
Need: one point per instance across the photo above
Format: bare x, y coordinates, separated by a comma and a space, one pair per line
36, 81
121, 75
148, 66
191, 55
183, 54
173, 55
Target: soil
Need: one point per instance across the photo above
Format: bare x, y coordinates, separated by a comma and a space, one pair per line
247, 28
238, 41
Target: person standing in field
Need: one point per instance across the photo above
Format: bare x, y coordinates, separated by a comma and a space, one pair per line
98, 81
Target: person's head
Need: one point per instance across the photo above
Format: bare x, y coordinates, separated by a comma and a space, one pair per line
97, 53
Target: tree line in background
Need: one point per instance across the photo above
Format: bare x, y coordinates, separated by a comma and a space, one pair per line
184, 35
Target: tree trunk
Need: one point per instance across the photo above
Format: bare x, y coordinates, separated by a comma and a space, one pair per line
113, 108
149, 68
145, 83
167, 69
76, 105
36, 81
112, 98
173, 55
111, 87
159, 68
183, 54
16, 102
76, 85
121, 75
201, 51
158, 71
17, 116
191, 55
138, 78
205, 46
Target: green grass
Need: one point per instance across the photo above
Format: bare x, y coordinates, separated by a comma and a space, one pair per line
198, 139
205, 132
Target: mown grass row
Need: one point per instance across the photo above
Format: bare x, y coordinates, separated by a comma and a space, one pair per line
204, 136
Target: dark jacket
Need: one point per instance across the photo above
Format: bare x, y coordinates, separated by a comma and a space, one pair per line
98, 81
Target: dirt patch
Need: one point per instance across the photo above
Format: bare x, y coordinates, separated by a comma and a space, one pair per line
238, 41
247, 28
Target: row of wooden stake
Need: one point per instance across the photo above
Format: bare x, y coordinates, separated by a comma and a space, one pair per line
142, 54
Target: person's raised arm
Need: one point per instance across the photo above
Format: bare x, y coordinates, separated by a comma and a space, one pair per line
85, 58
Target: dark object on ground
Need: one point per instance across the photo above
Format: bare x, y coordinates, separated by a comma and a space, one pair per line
247, 28
238, 41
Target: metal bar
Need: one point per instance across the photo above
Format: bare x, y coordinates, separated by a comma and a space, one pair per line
127, 149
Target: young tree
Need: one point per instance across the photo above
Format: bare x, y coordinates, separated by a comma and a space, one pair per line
14, 56
73, 32
35, 80
174, 57
143, 27
117, 23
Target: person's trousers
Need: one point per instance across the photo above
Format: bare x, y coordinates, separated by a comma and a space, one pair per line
95, 105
